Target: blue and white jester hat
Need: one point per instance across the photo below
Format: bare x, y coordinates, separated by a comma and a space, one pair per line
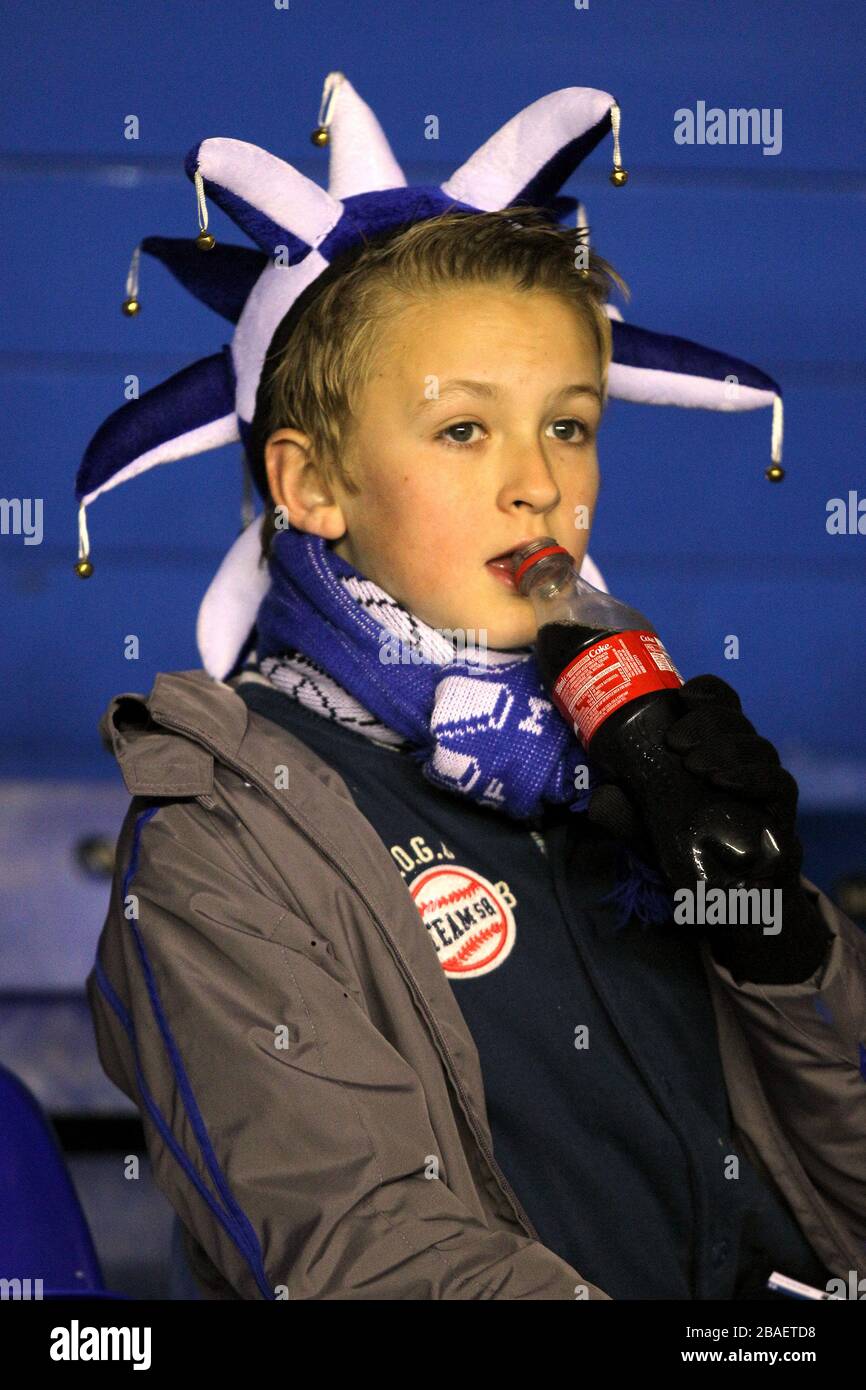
301, 232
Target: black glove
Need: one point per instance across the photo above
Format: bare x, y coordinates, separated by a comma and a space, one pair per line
717, 743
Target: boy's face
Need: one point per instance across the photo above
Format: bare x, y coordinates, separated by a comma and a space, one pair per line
449, 483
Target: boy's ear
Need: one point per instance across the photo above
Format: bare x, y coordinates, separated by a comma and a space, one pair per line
296, 485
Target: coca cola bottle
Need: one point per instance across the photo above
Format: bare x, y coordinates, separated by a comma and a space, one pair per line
609, 675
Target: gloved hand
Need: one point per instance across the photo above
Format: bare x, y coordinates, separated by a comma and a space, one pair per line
719, 744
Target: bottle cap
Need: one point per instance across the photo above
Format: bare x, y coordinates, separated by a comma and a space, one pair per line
520, 566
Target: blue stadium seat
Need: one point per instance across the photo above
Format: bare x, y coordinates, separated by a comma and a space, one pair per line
43, 1230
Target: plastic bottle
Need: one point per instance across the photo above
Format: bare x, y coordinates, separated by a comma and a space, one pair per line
611, 678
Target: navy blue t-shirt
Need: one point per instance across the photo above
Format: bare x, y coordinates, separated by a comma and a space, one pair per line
599, 1054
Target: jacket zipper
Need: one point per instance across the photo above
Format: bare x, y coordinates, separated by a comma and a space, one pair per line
429, 1016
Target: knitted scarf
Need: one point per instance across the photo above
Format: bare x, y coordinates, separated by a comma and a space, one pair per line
476, 719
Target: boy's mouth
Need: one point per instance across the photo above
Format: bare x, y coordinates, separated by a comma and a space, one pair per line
500, 565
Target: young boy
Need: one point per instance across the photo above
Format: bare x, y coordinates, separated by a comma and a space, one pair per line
363, 969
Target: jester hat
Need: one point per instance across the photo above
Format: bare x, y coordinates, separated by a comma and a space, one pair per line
302, 237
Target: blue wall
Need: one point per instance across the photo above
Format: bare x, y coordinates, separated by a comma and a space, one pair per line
759, 256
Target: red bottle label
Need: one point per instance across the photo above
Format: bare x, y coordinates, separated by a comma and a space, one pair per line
608, 674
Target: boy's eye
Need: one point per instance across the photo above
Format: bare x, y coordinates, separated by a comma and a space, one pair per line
462, 425
580, 435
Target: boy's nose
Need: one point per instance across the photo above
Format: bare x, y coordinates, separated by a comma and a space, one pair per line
529, 478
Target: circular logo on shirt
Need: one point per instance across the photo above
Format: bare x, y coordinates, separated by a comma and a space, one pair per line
470, 925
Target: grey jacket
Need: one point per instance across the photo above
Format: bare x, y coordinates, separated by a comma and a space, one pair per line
311, 1096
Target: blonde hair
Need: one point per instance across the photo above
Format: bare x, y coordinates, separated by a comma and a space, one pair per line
314, 381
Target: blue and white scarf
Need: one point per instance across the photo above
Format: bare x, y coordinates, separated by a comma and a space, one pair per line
478, 720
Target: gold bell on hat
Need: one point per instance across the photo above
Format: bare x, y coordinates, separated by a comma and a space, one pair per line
83, 567
132, 303
321, 136
205, 241
618, 176
775, 473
